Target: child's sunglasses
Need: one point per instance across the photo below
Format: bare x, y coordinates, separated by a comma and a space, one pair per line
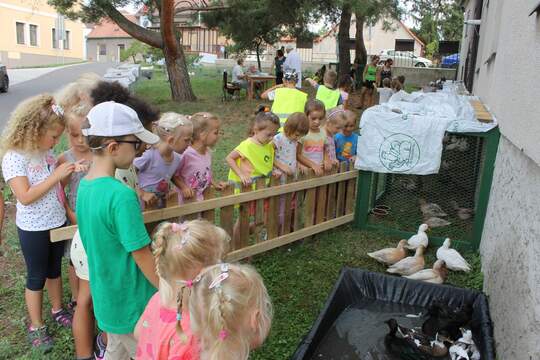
136, 143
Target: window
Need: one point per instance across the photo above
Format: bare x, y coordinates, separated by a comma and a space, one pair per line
102, 49
67, 40
20, 33
391, 53
33, 35
53, 38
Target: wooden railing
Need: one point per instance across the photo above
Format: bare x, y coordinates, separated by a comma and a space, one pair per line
308, 206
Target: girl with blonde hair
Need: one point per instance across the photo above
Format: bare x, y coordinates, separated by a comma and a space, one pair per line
157, 165
78, 93
231, 312
32, 172
181, 251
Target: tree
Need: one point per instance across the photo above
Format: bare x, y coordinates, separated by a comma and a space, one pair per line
136, 48
166, 39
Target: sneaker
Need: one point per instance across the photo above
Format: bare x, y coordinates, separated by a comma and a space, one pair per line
100, 347
71, 305
63, 318
40, 339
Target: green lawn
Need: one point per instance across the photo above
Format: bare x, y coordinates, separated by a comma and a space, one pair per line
299, 276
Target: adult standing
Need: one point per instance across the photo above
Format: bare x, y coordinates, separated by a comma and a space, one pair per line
278, 63
238, 76
386, 71
293, 61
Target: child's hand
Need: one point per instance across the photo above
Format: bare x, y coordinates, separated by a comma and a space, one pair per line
63, 171
288, 170
352, 159
277, 173
245, 179
220, 186
148, 198
303, 169
335, 163
82, 166
318, 170
188, 192
328, 165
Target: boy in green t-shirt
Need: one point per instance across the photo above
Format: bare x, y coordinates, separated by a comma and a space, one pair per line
121, 266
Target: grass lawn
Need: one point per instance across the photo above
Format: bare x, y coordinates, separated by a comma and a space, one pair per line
299, 276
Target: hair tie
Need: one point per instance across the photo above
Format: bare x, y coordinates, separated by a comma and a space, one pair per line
223, 334
216, 283
57, 109
183, 230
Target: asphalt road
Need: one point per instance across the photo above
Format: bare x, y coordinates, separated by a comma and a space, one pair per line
49, 82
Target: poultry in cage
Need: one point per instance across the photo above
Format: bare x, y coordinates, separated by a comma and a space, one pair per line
435, 222
390, 256
430, 209
409, 265
435, 275
419, 239
452, 258
461, 212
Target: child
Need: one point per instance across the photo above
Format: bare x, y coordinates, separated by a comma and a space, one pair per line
286, 97
120, 263
327, 93
345, 87
311, 152
333, 125
231, 312
158, 164
286, 142
347, 140
29, 167
386, 92
396, 85
181, 252
254, 157
77, 93
195, 172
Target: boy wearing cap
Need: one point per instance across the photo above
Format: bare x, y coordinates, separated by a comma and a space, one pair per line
286, 97
121, 266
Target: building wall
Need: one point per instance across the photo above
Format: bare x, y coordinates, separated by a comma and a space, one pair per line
506, 79
35, 12
111, 46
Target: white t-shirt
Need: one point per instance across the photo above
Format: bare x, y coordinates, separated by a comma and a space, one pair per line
237, 71
285, 150
47, 212
293, 61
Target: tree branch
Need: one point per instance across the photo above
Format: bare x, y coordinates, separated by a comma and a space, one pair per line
149, 37
167, 25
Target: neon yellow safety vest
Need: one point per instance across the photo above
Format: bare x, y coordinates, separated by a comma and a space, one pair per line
286, 102
260, 157
329, 97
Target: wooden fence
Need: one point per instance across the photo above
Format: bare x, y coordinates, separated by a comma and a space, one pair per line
267, 216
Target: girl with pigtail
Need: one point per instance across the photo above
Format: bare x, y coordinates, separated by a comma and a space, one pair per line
230, 310
181, 251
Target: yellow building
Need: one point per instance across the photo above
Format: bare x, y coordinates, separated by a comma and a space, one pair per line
27, 30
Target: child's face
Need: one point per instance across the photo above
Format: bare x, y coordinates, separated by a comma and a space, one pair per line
124, 153
295, 136
315, 120
264, 136
348, 128
50, 138
76, 138
332, 128
212, 135
182, 141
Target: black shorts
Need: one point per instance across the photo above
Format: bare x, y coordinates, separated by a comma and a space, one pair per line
369, 84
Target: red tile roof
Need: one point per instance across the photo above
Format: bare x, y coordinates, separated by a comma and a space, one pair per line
109, 29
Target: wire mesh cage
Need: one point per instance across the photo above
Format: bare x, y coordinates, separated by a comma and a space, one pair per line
452, 202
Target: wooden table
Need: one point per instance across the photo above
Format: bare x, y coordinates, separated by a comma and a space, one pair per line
252, 79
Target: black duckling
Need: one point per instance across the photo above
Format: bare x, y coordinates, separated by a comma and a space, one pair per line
410, 344
443, 319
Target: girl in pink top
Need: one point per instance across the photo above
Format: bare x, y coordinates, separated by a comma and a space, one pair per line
181, 251
194, 175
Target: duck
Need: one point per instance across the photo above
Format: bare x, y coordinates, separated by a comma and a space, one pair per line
445, 320
452, 258
462, 213
435, 222
409, 265
410, 343
436, 275
408, 184
431, 209
390, 256
420, 238
464, 348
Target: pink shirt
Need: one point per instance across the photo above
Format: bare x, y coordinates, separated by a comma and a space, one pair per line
196, 171
158, 339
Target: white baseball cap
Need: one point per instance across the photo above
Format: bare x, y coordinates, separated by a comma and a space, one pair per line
111, 119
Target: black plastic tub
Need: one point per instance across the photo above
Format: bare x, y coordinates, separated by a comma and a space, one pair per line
357, 286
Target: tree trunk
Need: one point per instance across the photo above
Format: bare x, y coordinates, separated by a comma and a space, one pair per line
343, 41
258, 50
174, 56
360, 60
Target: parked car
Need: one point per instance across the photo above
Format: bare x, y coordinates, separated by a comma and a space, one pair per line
404, 58
450, 61
4, 79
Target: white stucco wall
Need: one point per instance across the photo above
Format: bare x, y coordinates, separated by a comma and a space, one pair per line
507, 78
510, 250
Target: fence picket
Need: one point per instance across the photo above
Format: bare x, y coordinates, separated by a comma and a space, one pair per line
209, 215
320, 203
309, 203
298, 212
243, 221
286, 206
351, 194
260, 229
331, 199
341, 189
226, 213
272, 226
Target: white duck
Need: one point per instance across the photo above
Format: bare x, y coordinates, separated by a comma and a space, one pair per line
430, 209
420, 238
452, 258
410, 264
437, 275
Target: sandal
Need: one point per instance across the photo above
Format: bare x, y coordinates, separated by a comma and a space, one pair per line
71, 305
100, 347
40, 339
63, 318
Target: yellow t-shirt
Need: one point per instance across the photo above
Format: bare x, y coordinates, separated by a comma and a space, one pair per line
256, 159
